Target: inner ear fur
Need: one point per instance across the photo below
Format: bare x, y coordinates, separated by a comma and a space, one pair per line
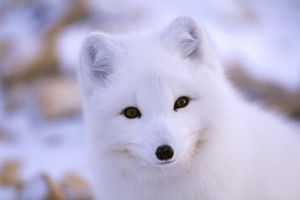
98, 55
186, 36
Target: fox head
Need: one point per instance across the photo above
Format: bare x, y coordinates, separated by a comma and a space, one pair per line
150, 98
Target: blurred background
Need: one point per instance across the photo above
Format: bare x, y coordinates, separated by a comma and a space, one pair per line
42, 143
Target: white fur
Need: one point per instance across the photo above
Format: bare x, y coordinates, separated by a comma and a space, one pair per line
225, 148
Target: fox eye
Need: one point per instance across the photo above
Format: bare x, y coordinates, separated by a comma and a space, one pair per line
181, 102
132, 112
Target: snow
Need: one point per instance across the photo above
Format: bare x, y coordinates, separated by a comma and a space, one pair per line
54, 147
36, 190
8, 193
68, 46
24, 27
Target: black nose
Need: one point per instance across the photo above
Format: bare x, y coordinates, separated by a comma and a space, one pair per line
164, 152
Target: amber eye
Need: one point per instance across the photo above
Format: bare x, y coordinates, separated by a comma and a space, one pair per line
132, 112
181, 102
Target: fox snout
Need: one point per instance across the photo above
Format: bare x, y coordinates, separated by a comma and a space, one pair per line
164, 152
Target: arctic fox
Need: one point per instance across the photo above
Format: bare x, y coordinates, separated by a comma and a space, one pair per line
164, 123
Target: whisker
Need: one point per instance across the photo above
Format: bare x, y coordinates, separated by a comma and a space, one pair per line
195, 133
123, 152
127, 144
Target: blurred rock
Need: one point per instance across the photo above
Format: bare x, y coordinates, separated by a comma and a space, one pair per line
4, 137
42, 188
58, 97
5, 49
15, 96
242, 15
271, 94
9, 174
45, 62
294, 106
55, 192
2, 134
75, 188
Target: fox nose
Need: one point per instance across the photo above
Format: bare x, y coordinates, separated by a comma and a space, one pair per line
164, 152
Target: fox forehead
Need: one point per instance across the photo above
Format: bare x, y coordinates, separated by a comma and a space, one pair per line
147, 66
143, 56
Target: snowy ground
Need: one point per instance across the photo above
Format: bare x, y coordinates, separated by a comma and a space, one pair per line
261, 35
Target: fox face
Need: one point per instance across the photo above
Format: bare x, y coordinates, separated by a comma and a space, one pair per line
148, 98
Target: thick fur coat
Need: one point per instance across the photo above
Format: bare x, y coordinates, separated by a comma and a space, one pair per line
221, 147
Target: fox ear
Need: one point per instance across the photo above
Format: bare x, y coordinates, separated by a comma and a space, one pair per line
98, 57
186, 35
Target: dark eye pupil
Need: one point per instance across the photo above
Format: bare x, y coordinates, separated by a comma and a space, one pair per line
181, 102
132, 112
